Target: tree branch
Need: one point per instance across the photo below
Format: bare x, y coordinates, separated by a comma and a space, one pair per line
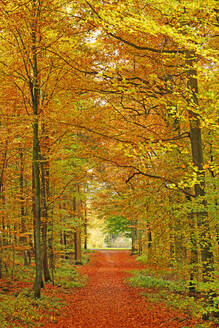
165, 51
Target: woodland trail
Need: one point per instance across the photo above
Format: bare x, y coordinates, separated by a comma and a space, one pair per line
106, 302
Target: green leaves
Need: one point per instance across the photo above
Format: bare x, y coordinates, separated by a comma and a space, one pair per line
116, 225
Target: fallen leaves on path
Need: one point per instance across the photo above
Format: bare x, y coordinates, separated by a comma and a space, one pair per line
106, 302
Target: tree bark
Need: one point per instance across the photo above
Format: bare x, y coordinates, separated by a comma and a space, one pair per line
0, 257
197, 157
149, 243
37, 284
139, 232
77, 234
78, 246
22, 211
133, 237
45, 253
34, 89
45, 191
85, 226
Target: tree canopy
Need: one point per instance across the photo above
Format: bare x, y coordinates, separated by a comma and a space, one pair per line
112, 106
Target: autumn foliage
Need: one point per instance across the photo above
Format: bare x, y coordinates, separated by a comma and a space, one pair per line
110, 105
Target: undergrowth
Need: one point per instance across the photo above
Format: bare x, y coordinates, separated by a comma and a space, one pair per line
174, 293
25, 311
67, 277
19, 309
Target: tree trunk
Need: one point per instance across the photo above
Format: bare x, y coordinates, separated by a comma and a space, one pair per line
34, 89
77, 234
85, 227
134, 237
45, 190
51, 252
149, 244
0, 257
45, 253
78, 246
22, 211
1, 236
197, 157
139, 242
37, 285
172, 243
193, 259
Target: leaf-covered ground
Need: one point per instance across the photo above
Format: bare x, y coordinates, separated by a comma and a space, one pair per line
108, 302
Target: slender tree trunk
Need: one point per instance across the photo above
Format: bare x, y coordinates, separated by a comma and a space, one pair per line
213, 176
1, 236
172, 243
51, 251
139, 242
45, 253
22, 211
85, 226
34, 89
63, 243
34, 211
197, 157
1, 257
2, 194
45, 187
149, 243
6, 227
77, 234
78, 246
193, 259
37, 208
13, 260
133, 237
37, 285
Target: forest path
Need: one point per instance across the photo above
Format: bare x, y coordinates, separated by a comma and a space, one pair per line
106, 302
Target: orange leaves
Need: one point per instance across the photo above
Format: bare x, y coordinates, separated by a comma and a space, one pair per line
106, 302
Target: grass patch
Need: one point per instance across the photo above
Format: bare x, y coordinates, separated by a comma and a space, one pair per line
143, 279
142, 259
85, 257
66, 275
89, 251
174, 294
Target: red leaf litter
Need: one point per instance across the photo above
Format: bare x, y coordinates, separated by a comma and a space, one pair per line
108, 302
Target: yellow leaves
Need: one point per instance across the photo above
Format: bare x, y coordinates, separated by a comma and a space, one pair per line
205, 166
153, 76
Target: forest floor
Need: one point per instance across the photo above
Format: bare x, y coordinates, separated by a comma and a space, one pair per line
108, 301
